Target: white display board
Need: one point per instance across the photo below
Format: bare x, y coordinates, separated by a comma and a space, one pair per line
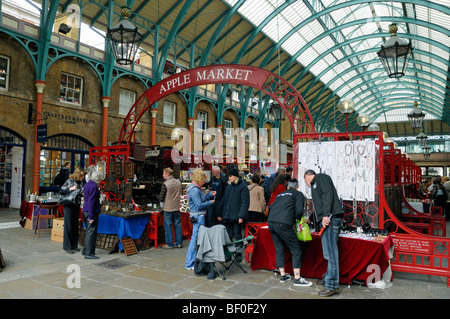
350, 164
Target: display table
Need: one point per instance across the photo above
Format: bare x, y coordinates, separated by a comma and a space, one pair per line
122, 227
28, 212
356, 257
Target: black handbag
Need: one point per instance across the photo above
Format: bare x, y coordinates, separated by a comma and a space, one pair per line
72, 198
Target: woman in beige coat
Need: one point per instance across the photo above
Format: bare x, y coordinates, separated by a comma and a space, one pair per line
257, 201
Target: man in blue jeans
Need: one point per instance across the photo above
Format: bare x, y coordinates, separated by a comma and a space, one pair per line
170, 196
328, 213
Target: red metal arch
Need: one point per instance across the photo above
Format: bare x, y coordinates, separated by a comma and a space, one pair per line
279, 89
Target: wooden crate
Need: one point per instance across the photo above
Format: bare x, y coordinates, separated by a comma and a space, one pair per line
128, 246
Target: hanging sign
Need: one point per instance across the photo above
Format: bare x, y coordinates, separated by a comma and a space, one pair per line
41, 136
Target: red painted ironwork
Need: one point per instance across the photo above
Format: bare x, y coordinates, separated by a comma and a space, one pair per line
279, 89
414, 251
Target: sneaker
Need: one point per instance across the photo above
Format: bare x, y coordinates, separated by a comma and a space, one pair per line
189, 268
302, 282
179, 246
167, 246
285, 278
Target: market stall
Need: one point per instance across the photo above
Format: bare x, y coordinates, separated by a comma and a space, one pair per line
359, 256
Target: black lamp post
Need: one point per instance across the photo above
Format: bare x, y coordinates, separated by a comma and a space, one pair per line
124, 39
416, 117
394, 54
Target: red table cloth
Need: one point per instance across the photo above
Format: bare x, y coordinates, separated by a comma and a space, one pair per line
355, 257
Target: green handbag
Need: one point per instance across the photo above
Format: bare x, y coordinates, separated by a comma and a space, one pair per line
302, 230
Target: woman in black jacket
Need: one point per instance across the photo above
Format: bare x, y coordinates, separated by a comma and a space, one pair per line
286, 208
72, 188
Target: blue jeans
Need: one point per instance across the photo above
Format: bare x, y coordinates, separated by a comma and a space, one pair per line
330, 251
176, 217
192, 252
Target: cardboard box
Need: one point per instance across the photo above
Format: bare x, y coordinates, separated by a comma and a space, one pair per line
58, 230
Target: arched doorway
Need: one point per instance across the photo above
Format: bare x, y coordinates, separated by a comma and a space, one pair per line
12, 168
59, 149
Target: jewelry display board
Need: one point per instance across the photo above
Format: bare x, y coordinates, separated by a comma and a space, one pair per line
350, 164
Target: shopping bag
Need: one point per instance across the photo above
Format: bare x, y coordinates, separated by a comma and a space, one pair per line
302, 230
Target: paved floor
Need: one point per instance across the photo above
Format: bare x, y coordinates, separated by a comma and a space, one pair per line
39, 268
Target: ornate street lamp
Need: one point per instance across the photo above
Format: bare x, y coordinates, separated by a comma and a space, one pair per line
346, 107
394, 54
422, 138
416, 117
124, 39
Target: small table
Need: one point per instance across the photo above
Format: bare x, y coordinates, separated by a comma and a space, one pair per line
356, 257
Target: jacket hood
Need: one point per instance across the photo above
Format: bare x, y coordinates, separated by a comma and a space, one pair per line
189, 187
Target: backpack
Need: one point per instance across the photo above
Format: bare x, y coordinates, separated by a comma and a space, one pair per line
58, 180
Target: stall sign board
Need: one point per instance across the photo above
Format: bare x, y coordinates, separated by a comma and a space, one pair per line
412, 245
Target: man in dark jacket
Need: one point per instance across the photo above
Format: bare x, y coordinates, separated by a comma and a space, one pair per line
287, 207
234, 205
218, 183
328, 213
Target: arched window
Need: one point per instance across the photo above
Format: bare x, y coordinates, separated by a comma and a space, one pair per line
59, 149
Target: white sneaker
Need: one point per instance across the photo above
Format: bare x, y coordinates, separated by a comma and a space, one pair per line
302, 282
189, 268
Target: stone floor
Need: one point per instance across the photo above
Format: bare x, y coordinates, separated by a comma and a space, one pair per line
38, 268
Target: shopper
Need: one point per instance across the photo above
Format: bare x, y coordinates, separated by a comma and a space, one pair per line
218, 183
257, 200
91, 210
70, 198
286, 208
63, 175
234, 205
446, 183
198, 203
269, 181
438, 193
278, 186
328, 213
170, 195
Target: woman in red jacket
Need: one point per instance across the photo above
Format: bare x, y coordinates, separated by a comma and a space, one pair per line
278, 186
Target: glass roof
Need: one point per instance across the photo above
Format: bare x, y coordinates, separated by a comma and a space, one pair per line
324, 44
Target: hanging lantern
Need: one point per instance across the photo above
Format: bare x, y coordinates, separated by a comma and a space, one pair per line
124, 39
422, 138
426, 152
394, 54
278, 111
416, 117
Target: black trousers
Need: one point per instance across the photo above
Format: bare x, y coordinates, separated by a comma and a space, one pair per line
284, 235
71, 215
90, 237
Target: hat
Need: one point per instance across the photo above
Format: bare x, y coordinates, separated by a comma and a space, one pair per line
233, 172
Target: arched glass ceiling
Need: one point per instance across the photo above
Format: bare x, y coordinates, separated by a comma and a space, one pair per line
327, 47
368, 21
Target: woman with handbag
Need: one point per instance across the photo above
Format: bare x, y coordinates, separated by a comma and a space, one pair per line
70, 198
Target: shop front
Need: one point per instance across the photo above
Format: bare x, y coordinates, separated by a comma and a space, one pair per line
12, 168
59, 149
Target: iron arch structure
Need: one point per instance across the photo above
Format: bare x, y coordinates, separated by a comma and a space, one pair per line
267, 82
